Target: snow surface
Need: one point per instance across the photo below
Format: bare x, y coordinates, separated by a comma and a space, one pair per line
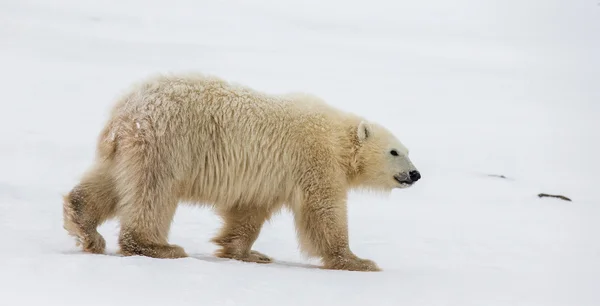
472, 87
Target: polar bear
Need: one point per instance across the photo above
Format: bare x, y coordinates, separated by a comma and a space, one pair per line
200, 139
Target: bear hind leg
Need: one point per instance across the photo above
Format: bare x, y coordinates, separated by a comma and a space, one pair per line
87, 205
241, 229
145, 224
147, 208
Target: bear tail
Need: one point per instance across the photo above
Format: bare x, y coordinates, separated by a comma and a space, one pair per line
106, 147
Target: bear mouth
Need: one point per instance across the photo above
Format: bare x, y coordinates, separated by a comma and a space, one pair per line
402, 181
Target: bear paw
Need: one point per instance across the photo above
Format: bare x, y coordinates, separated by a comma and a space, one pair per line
153, 250
252, 256
93, 243
258, 257
352, 264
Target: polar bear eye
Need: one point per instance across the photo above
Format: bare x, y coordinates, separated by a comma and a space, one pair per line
394, 152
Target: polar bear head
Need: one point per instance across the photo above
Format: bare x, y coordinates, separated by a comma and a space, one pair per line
382, 160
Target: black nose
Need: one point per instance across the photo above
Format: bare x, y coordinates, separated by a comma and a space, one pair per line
414, 175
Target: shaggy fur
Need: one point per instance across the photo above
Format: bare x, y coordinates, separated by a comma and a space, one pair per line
199, 139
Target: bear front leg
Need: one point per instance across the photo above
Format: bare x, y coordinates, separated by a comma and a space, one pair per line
322, 226
243, 223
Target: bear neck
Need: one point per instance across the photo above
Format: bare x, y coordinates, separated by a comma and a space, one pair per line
349, 159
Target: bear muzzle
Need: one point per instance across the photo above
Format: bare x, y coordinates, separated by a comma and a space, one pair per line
406, 179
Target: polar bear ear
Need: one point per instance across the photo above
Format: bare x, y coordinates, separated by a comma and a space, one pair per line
364, 131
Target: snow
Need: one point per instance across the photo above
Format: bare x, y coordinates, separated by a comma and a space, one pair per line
473, 88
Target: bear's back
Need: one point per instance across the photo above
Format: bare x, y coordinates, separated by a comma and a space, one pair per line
230, 143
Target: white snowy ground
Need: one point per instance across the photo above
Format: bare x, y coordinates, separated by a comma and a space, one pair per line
472, 87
